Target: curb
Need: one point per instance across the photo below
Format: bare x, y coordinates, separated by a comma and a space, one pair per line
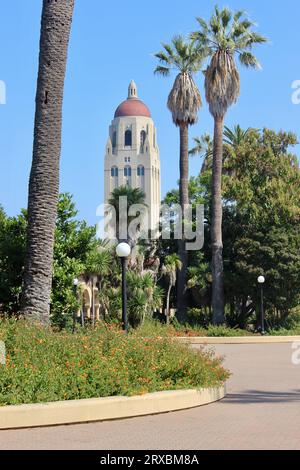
102, 409
239, 340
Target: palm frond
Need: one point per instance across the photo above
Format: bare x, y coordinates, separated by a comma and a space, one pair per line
162, 57
203, 24
169, 50
256, 38
160, 70
249, 60
222, 83
226, 17
184, 100
238, 15
200, 37
203, 146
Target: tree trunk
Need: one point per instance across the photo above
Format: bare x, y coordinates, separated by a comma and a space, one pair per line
184, 201
44, 176
168, 304
216, 226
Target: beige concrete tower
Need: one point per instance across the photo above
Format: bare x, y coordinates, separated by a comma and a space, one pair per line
132, 154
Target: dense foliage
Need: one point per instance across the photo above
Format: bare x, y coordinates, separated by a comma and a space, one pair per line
77, 252
43, 365
261, 206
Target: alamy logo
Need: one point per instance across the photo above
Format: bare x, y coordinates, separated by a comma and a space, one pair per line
134, 223
2, 92
296, 93
2, 353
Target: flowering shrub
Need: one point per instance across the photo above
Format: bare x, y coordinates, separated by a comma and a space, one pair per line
153, 328
45, 365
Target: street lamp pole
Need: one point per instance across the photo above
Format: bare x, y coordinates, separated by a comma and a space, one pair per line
123, 251
261, 280
124, 296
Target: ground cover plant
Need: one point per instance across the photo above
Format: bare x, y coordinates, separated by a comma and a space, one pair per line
44, 365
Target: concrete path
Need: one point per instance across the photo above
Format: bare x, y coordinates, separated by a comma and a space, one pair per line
261, 411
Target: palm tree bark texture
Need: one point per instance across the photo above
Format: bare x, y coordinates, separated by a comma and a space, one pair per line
184, 201
44, 177
216, 226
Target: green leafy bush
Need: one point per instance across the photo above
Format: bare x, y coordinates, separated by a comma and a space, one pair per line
285, 332
154, 328
45, 365
218, 331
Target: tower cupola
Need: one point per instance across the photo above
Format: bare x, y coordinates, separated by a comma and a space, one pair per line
132, 90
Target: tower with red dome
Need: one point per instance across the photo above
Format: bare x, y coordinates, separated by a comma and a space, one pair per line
132, 154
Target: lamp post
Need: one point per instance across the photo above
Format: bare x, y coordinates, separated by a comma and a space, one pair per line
123, 251
75, 285
261, 280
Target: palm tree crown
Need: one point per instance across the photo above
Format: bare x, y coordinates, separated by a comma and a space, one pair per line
170, 267
237, 136
203, 145
232, 139
134, 196
185, 57
226, 34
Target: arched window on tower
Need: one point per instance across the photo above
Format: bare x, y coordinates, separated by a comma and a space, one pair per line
114, 141
114, 174
127, 175
143, 136
128, 138
141, 177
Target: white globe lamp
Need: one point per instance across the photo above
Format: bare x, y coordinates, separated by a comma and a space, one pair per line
123, 250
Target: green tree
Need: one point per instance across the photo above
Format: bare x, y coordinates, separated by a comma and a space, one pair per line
99, 266
134, 196
236, 136
261, 207
203, 146
224, 36
12, 253
44, 176
184, 103
144, 297
75, 242
75, 247
232, 138
171, 266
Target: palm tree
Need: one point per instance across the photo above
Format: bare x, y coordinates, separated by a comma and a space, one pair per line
134, 196
170, 268
98, 266
184, 102
44, 177
236, 136
204, 148
144, 296
225, 36
232, 139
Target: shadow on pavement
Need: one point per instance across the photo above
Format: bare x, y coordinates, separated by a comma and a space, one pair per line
260, 396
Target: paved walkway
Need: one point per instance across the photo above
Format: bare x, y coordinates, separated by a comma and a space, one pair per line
261, 411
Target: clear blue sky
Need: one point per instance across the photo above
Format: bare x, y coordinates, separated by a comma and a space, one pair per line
112, 43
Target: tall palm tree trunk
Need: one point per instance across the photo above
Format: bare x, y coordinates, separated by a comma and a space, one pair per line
44, 176
168, 303
216, 225
184, 201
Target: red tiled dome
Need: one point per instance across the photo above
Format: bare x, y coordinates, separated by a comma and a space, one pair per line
132, 107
